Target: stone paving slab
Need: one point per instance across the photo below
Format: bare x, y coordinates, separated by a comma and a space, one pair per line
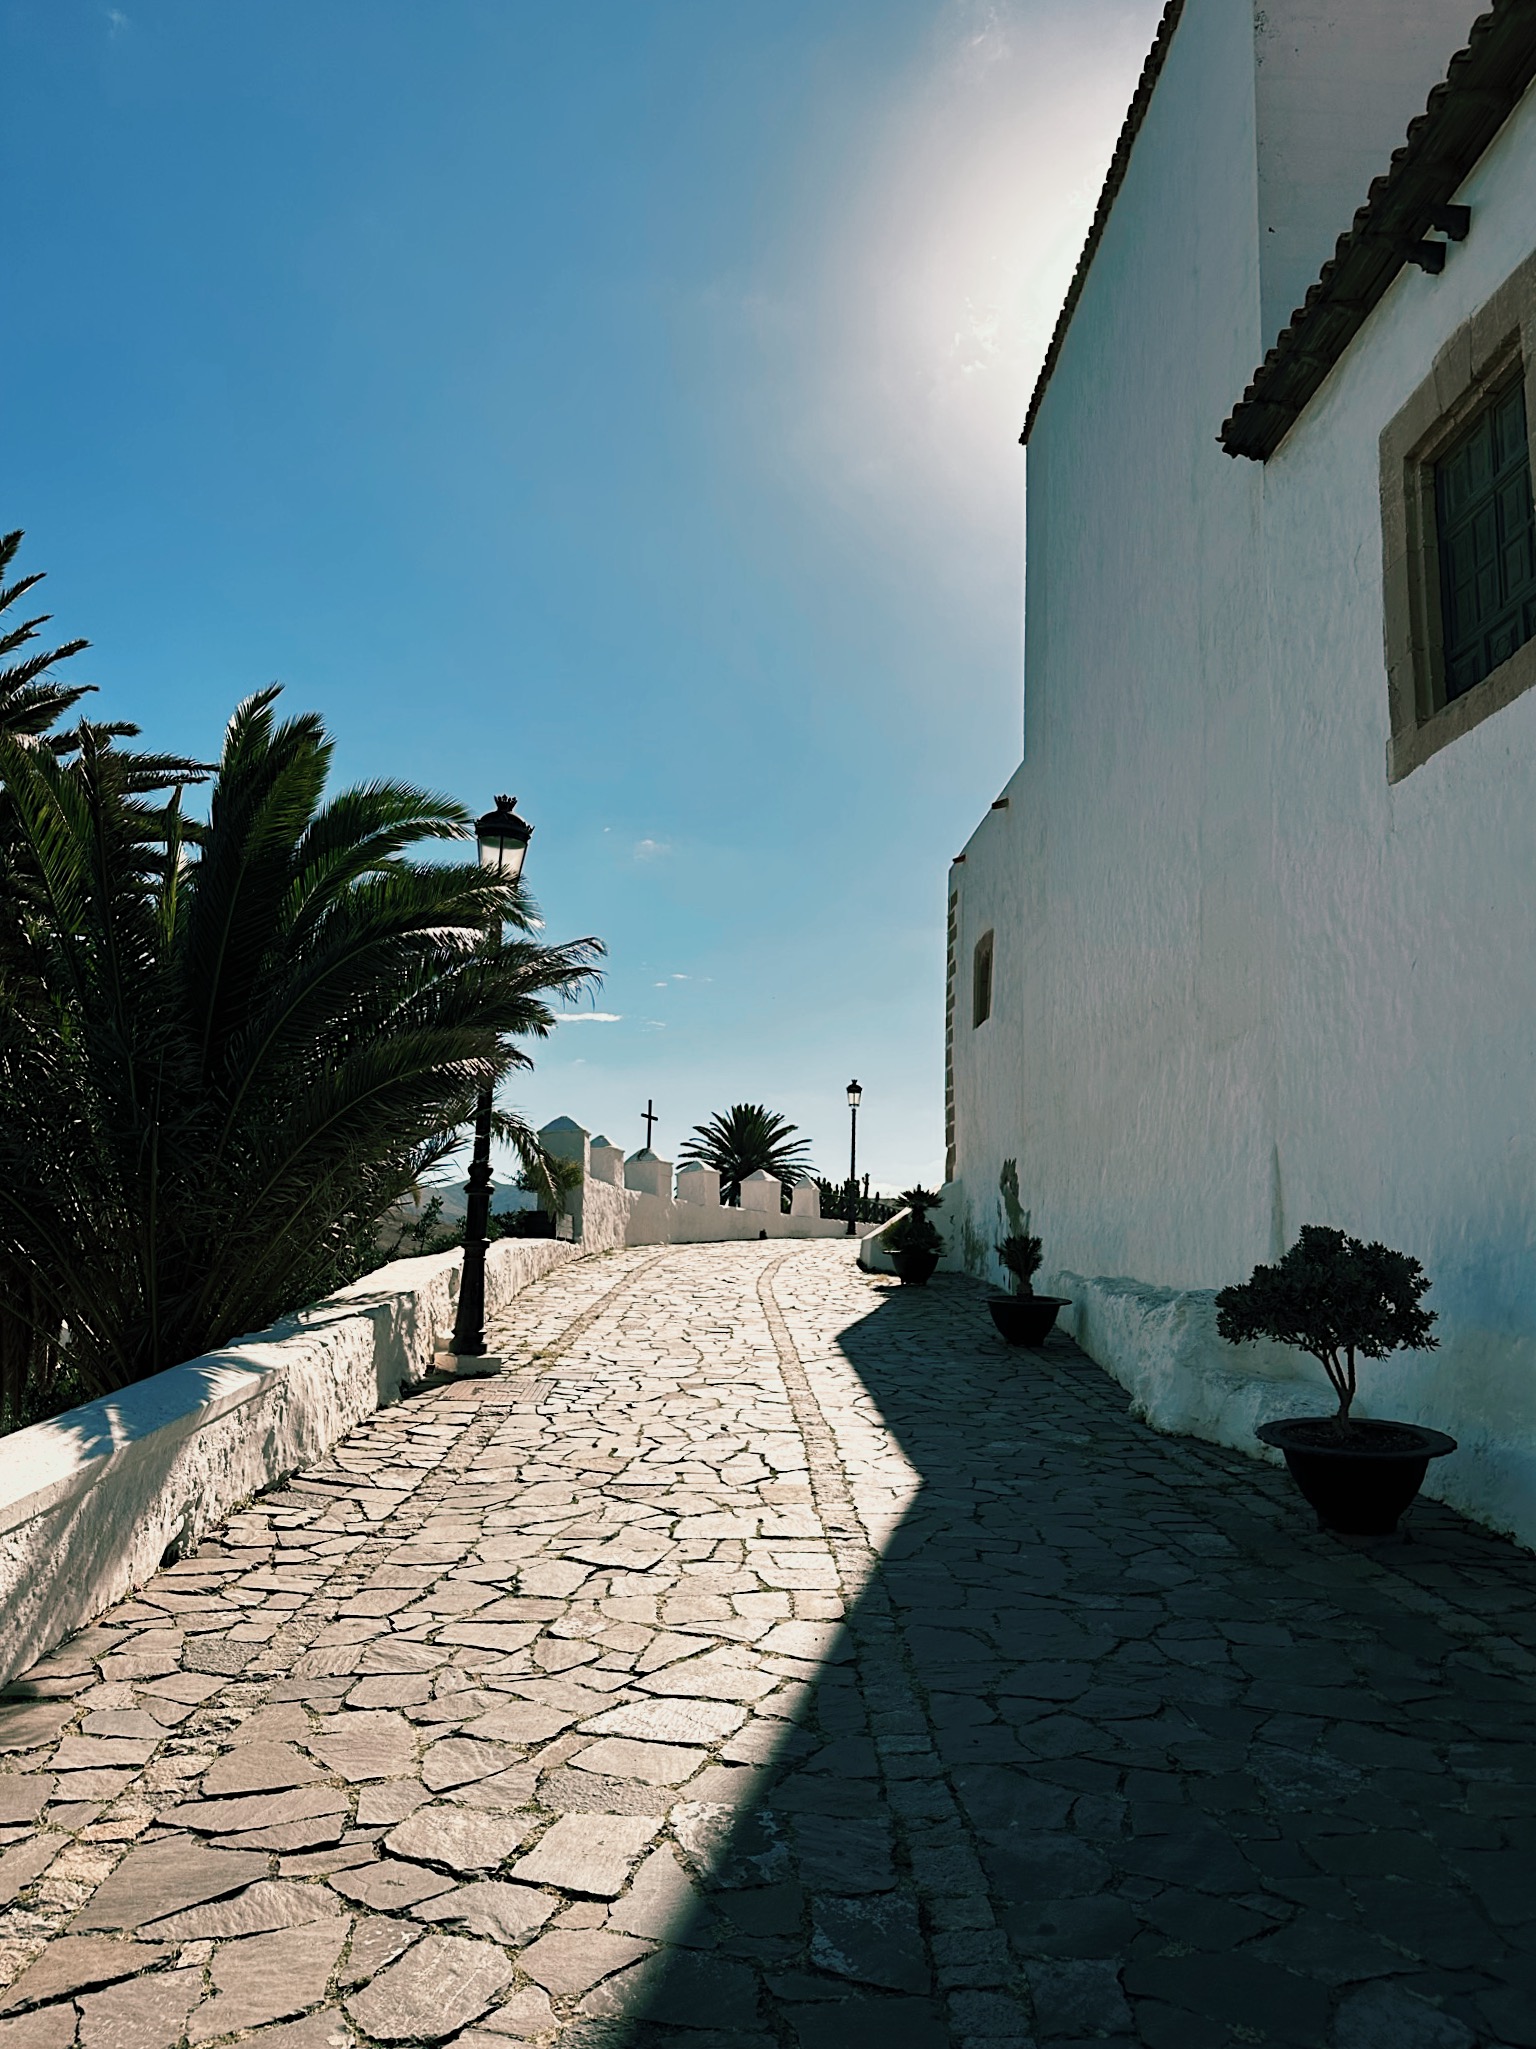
770, 1657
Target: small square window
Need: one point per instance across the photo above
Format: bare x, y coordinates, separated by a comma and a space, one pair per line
1487, 542
981, 980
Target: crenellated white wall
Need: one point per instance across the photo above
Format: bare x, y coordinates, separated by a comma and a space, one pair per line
1241, 982
643, 1211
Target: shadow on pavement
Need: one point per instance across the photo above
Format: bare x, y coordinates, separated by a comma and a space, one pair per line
1116, 1746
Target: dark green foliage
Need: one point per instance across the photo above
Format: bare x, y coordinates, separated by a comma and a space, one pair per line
37, 1377
423, 1234
553, 1180
1336, 1298
920, 1200
868, 1209
1021, 1253
1019, 1249
749, 1139
521, 1223
32, 701
913, 1230
226, 1055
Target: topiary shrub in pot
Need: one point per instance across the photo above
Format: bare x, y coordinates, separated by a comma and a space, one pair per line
913, 1240
1023, 1318
1341, 1301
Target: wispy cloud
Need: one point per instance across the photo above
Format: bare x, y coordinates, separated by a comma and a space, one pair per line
651, 850
116, 21
593, 1017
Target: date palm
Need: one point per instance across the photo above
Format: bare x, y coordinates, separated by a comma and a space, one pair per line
227, 1051
32, 699
748, 1139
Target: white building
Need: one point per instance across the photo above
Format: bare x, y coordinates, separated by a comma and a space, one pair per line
1249, 939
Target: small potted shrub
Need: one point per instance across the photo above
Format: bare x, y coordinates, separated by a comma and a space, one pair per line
913, 1240
1023, 1318
1341, 1301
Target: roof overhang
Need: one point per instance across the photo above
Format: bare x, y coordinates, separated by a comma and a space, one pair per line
1466, 110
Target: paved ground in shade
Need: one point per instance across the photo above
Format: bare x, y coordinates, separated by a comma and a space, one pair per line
574, 1705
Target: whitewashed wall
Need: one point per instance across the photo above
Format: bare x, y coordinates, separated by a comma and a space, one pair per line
643, 1210
90, 1501
1241, 982
1337, 82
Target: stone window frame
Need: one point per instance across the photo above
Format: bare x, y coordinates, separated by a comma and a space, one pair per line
1497, 344
983, 958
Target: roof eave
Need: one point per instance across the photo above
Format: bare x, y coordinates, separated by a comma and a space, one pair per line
1481, 89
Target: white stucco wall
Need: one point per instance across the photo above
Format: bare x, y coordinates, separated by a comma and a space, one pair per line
1242, 983
1337, 82
601, 1214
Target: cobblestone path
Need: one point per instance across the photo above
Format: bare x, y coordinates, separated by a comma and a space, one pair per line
573, 1705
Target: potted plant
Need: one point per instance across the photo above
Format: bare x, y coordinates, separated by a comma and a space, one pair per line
1341, 1300
912, 1239
1023, 1318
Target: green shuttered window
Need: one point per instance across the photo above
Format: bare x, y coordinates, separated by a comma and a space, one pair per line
1487, 543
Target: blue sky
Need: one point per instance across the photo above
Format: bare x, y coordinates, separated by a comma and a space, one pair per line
615, 404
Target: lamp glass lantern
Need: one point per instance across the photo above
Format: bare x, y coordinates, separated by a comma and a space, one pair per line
502, 837
855, 1095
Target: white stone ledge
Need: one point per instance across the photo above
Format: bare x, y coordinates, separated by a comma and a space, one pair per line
91, 1500
1162, 1346
874, 1256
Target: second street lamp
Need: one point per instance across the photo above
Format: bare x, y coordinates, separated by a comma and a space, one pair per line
501, 838
855, 1097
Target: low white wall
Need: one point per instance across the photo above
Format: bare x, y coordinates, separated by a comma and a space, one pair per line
609, 1217
601, 1213
1162, 1346
873, 1256
91, 1500
644, 1211
693, 1224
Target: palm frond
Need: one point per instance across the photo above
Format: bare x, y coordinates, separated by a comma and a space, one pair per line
227, 1050
749, 1139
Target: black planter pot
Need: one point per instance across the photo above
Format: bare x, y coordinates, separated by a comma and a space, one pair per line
1362, 1484
914, 1268
1026, 1319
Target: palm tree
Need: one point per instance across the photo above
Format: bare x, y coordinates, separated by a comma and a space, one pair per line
746, 1139
226, 1051
31, 699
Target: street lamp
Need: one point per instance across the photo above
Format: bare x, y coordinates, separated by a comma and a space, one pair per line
501, 838
855, 1097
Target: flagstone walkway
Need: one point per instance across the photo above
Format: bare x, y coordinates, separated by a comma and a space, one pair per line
573, 1706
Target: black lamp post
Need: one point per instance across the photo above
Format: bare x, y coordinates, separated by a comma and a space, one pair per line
855, 1096
502, 838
